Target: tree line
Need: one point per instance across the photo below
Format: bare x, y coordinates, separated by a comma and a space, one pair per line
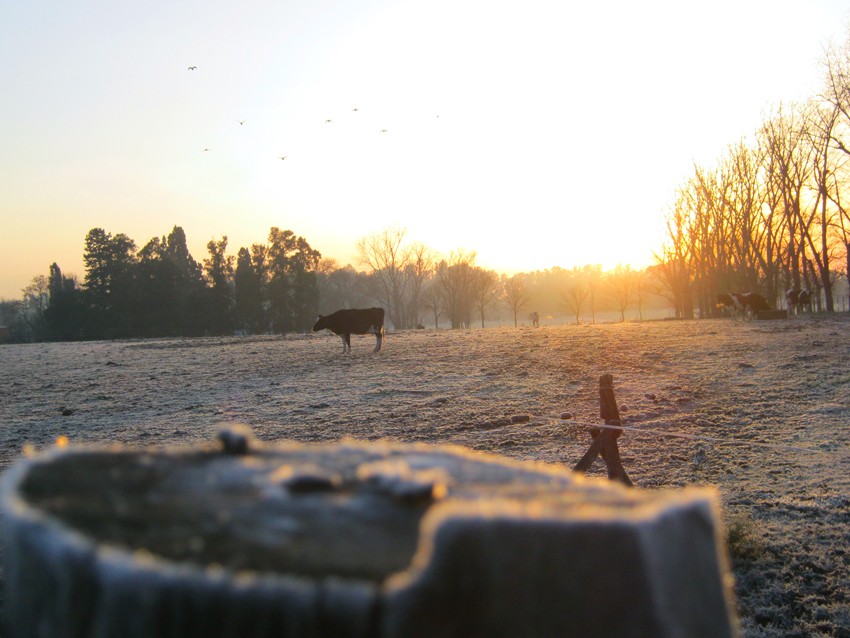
774, 213
282, 285
161, 290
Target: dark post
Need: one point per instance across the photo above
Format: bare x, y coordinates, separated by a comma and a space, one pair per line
605, 439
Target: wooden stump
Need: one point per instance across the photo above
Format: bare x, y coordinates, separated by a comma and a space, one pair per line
351, 539
604, 440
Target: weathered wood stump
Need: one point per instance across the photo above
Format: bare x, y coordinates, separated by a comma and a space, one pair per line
351, 539
604, 440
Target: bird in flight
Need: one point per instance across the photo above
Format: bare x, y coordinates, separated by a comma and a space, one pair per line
206, 149
354, 110
241, 122
284, 157
328, 121
383, 130
192, 68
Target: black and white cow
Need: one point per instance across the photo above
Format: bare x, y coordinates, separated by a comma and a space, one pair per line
747, 303
796, 300
358, 321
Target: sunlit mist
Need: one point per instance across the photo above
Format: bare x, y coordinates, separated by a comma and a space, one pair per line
537, 134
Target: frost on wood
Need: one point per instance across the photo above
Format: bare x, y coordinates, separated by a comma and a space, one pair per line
351, 539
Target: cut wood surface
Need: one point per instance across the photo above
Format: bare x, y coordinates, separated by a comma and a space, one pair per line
375, 539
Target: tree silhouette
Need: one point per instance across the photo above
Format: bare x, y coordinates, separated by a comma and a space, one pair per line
248, 292
64, 313
109, 263
456, 279
218, 270
515, 294
292, 286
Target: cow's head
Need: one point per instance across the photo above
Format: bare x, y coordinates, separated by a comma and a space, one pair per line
320, 324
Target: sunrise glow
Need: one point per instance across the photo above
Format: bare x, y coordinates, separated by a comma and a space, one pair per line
535, 134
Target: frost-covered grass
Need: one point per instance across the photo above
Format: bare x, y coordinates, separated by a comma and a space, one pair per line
759, 410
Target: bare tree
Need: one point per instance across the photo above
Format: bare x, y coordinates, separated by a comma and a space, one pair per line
419, 268
621, 288
36, 297
514, 293
455, 279
485, 290
593, 274
576, 293
674, 265
387, 257
819, 227
432, 300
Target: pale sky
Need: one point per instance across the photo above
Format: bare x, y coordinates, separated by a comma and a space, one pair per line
537, 134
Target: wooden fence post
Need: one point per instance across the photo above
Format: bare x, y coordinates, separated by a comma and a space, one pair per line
605, 439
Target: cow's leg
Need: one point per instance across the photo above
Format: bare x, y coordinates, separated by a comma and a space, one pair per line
379, 336
345, 345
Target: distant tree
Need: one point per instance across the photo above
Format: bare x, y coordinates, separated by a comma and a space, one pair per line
187, 282
36, 298
515, 294
575, 293
11, 319
387, 257
485, 290
432, 301
341, 287
248, 291
417, 271
109, 263
621, 284
64, 313
218, 269
593, 277
455, 279
155, 293
293, 291
305, 298
675, 263
172, 296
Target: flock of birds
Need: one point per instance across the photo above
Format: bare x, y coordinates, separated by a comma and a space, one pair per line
283, 157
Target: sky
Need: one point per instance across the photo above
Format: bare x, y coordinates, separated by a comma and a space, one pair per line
535, 133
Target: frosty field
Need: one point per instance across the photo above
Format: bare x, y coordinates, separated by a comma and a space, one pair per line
758, 409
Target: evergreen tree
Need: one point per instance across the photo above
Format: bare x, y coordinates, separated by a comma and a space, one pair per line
63, 316
248, 294
293, 291
186, 277
218, 269
109, 290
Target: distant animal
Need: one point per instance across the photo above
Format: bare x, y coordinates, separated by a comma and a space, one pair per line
358, 321
535, 319
726, 301
796, 300
746, 303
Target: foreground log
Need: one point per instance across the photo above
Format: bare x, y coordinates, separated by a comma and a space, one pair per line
351, 539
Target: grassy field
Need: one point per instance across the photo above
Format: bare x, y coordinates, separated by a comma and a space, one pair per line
757, 409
